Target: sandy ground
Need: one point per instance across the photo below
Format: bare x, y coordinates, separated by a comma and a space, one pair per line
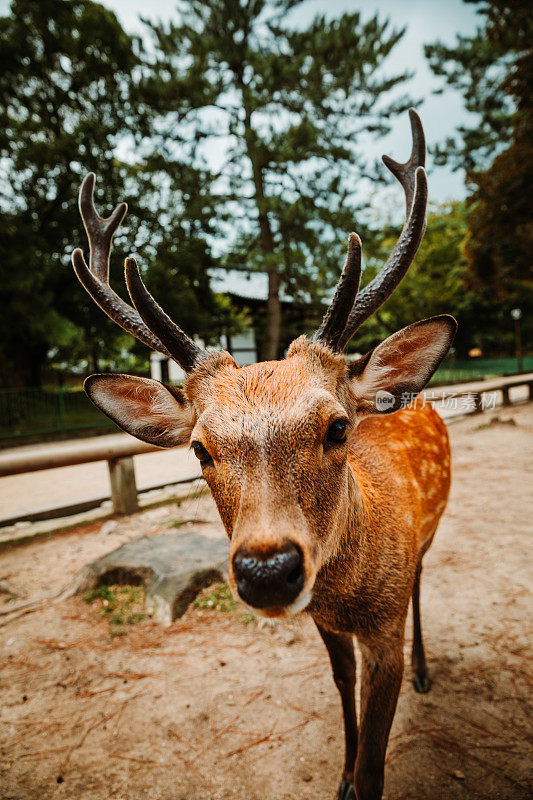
215, 709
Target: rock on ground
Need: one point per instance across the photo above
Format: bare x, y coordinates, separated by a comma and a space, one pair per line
173, 567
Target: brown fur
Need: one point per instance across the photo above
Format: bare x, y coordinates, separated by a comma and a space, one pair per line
401, 478
363, 514
356, 513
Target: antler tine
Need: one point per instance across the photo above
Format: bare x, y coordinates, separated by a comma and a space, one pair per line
337, 314
183, 349
100, 231
113, 305
95, 280
405, 173
413, 180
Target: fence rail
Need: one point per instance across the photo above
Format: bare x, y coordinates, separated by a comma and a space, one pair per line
118, 454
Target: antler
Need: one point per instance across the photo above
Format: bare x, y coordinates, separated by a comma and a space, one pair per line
337, 314
159, 332
412, 177
181, 347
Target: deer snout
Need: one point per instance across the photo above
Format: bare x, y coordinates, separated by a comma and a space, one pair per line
269, 580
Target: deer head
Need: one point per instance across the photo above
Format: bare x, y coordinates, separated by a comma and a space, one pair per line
272, 438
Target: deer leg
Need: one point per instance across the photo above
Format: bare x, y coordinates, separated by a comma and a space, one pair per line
421, 681
381, 678
341, 654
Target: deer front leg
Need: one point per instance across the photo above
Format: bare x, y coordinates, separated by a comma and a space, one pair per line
341, 654
381, 678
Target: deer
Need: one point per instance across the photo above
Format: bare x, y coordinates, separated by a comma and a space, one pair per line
329, 477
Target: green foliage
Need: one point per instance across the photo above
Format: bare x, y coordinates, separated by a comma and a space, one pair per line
283, 109
67, 72
434, 284
248, 136
63, 102
494, 72
485, 69
219, 598
499, 245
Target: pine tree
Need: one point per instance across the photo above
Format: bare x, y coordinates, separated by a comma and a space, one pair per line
64, 69
282, 112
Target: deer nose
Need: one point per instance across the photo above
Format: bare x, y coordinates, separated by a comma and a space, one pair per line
265, 581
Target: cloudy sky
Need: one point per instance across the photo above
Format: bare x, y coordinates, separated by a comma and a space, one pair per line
425, 20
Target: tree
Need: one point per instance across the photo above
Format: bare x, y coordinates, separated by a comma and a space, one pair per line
64, 68
494, 71
281, 111
66, 75
436, 283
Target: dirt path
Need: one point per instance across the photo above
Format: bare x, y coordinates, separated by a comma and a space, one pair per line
215, 709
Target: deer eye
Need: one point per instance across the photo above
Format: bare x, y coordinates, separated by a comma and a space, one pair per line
201, 453
337, 432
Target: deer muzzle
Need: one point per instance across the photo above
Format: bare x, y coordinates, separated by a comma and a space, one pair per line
269, 580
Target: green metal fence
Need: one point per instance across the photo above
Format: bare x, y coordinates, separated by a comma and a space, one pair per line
32, 412
475, 368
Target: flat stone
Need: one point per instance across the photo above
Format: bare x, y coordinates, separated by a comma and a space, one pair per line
173, 567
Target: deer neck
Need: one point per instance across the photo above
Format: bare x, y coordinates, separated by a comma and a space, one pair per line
344, 589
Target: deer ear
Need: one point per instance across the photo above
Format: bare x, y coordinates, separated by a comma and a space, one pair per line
145, 408
392, 374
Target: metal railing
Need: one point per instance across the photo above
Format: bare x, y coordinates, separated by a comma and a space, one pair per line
33, 412
473, 369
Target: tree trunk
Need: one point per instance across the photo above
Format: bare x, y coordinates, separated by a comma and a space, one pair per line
94, 357
35, 363
273, 325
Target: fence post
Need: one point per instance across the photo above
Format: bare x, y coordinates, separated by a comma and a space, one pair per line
123, 486
505, 396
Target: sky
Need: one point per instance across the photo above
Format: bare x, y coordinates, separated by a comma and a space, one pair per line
425, 20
